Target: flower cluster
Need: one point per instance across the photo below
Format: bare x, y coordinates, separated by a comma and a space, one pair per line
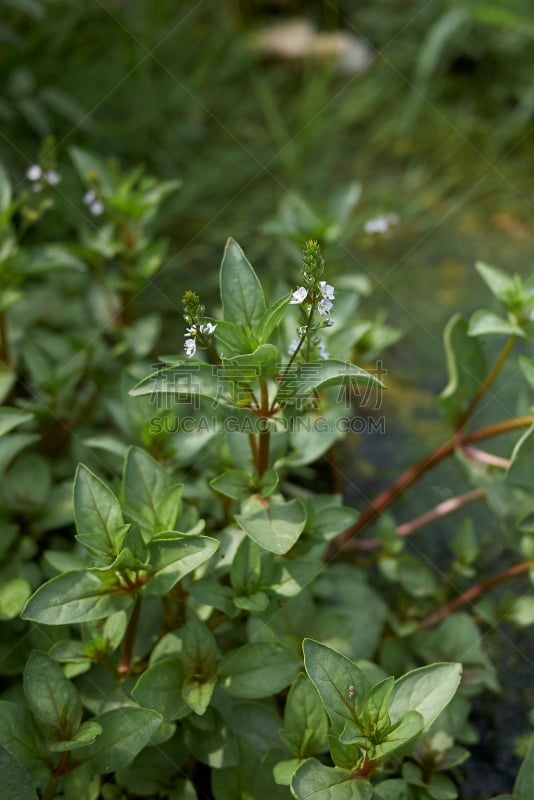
94, 203
315, 293
203, 330
40, 177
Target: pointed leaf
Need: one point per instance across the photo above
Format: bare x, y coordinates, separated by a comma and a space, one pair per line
520, 470
11, 418
466, 367
183, 380
241, 293
125, 731
171, 560
160, 688
525, 778
86, 734
73, 597
427, 690
272, 317
259, 669
53, 699
406, 731
97, 514
498, 282
149, 498
338, 680
485, 323
274, 523
22, 739
305, 720
304, 379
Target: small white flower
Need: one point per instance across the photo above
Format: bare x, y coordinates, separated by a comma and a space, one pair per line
329, 322
293, 347
380, 224
52, 177
208, 328
190, 347
327, 291
299, 296
96, 208
323, 352
89, 197
34, 172
192, 331
325, 307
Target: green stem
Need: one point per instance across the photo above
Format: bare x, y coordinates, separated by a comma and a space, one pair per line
264, 437
51, 787
475, 591
488, 380
129, 639
287, 367
409, 476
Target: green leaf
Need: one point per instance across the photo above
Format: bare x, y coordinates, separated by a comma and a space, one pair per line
426, 690
265, 360
466, 367
241, 293
183, 380
149, 498
408, 729
314, 780
73, 597
97, 514
22, 739
245, 570
498, 282
5, 189
160, 688
51, 256
304, 379
259, 669
86, 734
13, 596
125, 732
374, 707
11, 418
16, 781
234, 483
338, 680
391, 789
272, 318
53, 699
520, 470
525, 778
305, 720
199, 657
92, 169
274, 523
232, 340
171, 560
484, 323
347, 756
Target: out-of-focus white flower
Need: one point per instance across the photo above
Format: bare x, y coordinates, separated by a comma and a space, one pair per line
89, 197
293, 347
299, 296
381, 224
34, 173
52, 177
327, 291
325, 307
190, 347
323, 352
96, 208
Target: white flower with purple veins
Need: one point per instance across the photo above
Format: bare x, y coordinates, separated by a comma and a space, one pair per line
327, 291
190, 347
299, 296
381, 224
34, 173
325, 307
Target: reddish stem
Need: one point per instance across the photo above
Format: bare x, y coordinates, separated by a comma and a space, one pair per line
475, 591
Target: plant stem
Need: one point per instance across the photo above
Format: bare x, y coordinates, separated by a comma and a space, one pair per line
409, 476
50, 791
441, 510
475, 591
488, 380
129, 638
264, 437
